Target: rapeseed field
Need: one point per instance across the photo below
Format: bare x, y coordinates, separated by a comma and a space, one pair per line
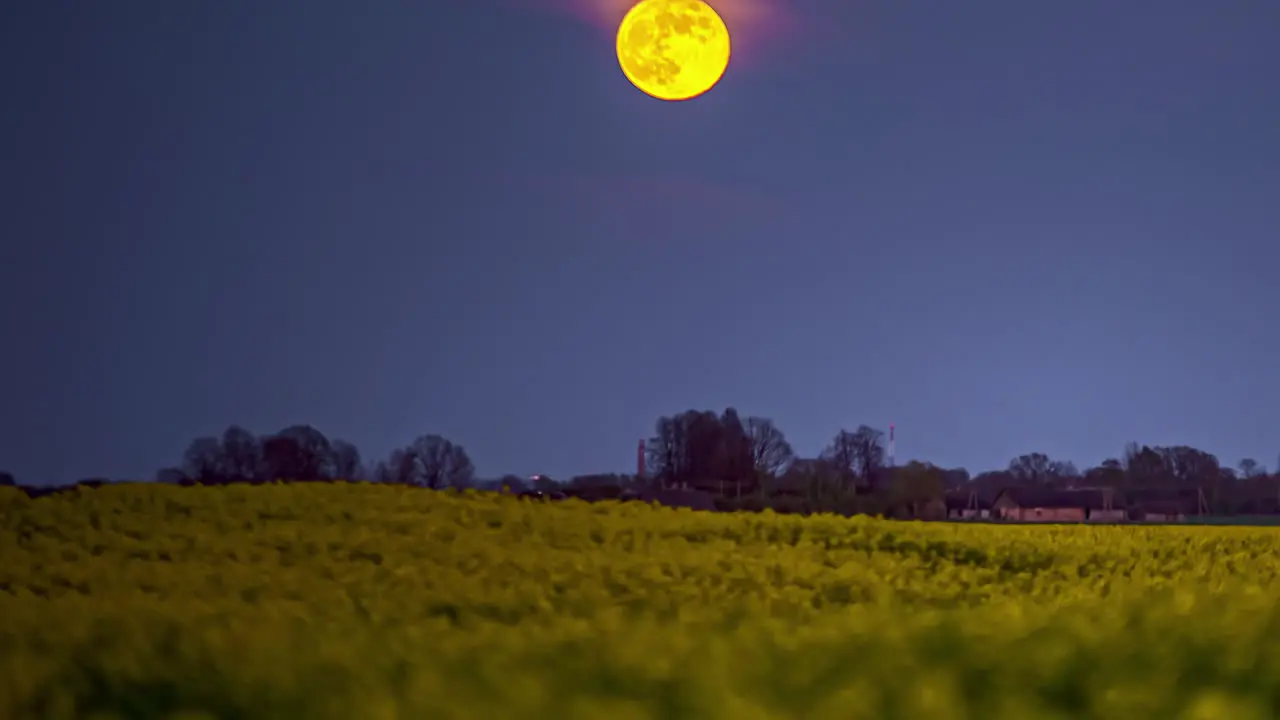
345, 602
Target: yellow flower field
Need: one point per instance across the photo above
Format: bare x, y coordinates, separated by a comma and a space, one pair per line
361, 601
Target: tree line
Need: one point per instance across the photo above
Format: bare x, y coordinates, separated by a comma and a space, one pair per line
751, 461
744, 462
303, 453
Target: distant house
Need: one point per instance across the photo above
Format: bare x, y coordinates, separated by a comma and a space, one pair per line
1027, 503
968, 504
1162, 511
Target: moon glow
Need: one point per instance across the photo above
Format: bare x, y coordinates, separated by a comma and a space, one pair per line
673, 49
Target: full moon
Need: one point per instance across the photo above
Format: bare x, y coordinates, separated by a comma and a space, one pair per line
673, 49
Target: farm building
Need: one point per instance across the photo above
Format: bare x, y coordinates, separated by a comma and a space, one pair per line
1042, 504
967, 504
1168, 505
1163, 511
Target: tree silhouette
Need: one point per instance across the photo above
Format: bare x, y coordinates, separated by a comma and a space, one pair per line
241, 453
746, 463
345, 460
720, 453
841, 455
914, 485
1031, 468
770, 451
869, 453
299, 452
734, 453
667, 453
429, 461
857, 456
203, 462
1109, 474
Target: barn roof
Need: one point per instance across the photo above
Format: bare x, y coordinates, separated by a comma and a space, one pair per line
1029, 496
966, 499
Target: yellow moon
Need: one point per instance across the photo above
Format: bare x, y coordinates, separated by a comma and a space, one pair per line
673, 49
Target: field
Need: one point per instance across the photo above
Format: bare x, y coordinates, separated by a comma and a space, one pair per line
358, 601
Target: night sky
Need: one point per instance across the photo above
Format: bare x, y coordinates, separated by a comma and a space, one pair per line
1005, 226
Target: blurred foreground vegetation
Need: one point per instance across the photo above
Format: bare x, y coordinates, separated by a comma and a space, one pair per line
351, 601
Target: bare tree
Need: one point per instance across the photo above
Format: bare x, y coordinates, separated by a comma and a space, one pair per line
707, 453
1189, 466
1031, 468
1109, 474
241, 455
841, 455
737, 467
859, 456
299, 452
770, 451
667, 451
431, 461
345, 459
202, 462
687, 448
1145, 466
869, 452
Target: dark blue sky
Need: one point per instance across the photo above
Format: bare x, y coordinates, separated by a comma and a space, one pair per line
1006, 226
